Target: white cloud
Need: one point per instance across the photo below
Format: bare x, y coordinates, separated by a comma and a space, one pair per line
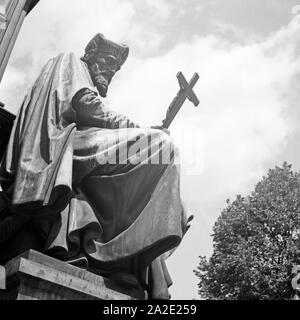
161, 8
243, 89
296, 9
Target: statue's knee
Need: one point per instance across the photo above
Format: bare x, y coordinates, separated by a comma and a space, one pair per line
169, 148
166, 144
167, 141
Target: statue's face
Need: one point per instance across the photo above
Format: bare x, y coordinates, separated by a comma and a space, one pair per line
102, 71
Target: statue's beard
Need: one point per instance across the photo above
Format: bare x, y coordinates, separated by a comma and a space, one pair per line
101, 84
99, 79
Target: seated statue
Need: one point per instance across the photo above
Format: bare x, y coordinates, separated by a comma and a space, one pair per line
86, 185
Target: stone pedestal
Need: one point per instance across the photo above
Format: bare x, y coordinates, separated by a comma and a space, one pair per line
34, 276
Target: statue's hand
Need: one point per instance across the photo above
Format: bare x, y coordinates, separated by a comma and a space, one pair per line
161, 128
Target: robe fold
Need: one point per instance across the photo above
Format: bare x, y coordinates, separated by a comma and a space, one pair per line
109, 218
40, 148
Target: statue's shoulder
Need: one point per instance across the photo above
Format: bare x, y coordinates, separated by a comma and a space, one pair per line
70, 55
66, 60
66, 56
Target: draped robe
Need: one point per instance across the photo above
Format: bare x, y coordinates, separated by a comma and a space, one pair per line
110, 218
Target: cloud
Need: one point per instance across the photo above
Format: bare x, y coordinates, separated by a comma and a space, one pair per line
161, 8
296, 9
244, 90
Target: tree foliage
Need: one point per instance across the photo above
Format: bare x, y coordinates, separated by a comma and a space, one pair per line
256, 242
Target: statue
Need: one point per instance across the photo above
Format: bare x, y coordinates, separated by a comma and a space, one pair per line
69, 189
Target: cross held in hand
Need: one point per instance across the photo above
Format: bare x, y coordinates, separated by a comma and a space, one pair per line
185, 92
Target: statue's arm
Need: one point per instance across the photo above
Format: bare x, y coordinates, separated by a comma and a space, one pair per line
91, 112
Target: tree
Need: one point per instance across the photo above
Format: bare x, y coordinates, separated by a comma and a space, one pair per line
256, 242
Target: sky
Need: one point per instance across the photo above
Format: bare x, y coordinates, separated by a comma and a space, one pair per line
247, 56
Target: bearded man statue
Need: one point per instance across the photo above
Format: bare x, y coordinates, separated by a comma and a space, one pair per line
86, 185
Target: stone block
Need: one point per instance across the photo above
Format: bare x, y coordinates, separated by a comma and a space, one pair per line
35, 276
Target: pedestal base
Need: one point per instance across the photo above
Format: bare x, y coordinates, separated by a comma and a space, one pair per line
35, 276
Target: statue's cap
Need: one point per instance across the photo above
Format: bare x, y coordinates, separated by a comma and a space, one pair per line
100, 44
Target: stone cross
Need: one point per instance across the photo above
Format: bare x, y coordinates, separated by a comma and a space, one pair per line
185, 92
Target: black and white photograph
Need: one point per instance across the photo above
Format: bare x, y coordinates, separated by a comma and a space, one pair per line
149, 151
